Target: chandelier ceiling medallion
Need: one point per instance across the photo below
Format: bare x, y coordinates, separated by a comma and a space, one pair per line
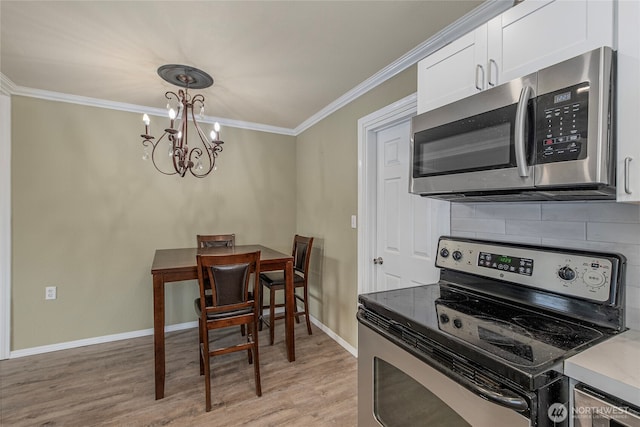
200, 159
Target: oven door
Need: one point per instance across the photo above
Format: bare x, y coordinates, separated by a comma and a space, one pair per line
480, 143
397, 389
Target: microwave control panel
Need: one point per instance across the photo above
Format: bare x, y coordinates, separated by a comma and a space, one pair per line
562, 121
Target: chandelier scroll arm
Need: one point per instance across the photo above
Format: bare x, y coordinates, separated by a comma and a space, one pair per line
205, 142
148, 141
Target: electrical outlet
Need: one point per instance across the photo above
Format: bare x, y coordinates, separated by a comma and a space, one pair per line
50, 292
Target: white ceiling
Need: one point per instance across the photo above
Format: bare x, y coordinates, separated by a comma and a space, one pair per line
275, 63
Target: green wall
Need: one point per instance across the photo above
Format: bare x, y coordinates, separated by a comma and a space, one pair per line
88, 214
327, 175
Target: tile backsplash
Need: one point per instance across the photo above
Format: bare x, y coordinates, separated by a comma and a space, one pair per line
600, 226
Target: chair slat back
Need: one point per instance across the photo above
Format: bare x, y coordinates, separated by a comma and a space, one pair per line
216, 240
302, 253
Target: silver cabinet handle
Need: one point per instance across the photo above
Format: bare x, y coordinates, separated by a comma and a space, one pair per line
627, 184
491, 80
481, 85
378, 260
521, 116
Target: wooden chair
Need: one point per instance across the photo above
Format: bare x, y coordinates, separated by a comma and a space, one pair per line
228, 305
274, 281
216, 240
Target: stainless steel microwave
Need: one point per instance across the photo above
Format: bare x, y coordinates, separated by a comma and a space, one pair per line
546, 136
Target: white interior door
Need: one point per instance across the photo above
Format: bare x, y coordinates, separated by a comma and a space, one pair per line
407, 225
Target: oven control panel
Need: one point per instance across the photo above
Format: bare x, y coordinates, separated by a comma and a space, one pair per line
569, 272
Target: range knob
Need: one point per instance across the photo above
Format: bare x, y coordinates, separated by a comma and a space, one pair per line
457, 255
457, 323
444, 252
566, 273
444, 318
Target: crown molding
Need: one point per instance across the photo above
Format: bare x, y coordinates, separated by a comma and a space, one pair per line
478, 16
7, 87
13, 89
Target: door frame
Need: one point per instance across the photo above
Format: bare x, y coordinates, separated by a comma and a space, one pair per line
5, 226
368, 127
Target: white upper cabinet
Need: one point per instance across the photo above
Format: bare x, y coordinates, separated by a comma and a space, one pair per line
628, 108
453, 72
539, 33
532, 35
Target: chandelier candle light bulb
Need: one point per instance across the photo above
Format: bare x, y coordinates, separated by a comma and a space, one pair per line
199, 160
172, 116
146, 121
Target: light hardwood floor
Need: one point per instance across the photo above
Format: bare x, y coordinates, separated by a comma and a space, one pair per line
112, 384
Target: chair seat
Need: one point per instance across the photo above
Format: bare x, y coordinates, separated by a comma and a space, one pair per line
221, 315
276, 278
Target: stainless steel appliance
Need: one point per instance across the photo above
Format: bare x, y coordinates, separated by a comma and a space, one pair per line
592, 408
545, 136
485, 345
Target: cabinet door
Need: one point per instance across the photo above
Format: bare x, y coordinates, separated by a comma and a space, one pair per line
453, 72
628, 97
539, 33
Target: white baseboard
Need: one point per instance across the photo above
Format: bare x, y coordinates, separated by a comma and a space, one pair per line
145, 332
337, 338
97, 340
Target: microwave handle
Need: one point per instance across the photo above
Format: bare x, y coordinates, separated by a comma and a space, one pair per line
627, 188
521, 117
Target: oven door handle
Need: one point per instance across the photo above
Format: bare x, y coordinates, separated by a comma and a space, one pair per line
512, 401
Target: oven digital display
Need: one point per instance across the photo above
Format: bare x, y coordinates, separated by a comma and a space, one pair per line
505, 343
508, 263
562, 97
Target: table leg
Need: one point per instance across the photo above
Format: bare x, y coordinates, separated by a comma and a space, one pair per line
158, 333
290, 309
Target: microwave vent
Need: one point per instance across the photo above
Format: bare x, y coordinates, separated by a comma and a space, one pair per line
604, 193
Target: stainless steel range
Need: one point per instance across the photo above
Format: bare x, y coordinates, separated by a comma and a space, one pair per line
485, 345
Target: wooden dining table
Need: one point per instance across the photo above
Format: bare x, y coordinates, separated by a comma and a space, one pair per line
175, 265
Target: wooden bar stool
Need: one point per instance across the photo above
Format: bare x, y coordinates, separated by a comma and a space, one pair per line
274, 281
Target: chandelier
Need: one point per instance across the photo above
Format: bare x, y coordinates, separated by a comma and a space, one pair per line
178, 157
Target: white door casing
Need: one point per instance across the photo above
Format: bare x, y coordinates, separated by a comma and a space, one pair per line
421, 220
5, 226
